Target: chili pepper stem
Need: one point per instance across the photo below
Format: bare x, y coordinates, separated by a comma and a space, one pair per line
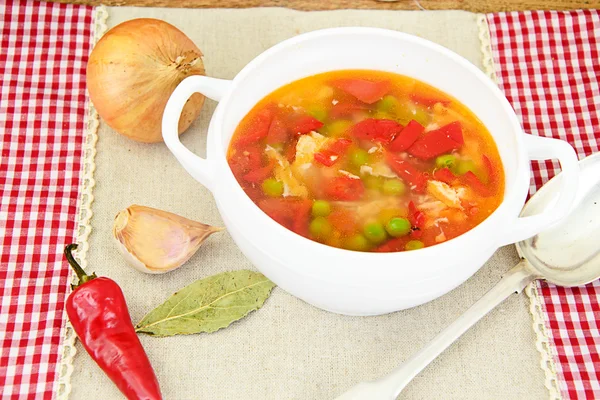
81, 275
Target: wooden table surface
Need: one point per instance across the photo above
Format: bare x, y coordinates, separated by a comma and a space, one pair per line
469, 5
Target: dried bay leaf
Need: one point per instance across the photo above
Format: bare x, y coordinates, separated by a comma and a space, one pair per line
208, 304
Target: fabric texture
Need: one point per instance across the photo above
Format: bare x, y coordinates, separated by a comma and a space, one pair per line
548, 64
288, 349
44, 49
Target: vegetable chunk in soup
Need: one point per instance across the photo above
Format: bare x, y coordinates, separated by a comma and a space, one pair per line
367, 161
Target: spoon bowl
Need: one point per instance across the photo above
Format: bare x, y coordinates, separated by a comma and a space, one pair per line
566, 254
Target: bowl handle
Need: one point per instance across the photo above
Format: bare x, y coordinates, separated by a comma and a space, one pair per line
541, 148
199, 168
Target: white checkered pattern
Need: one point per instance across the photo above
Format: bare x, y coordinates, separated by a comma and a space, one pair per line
548, 64
43, 53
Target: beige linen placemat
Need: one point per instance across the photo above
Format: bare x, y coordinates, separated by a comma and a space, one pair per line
289, 349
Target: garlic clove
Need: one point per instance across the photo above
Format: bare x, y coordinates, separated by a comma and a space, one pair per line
156, 241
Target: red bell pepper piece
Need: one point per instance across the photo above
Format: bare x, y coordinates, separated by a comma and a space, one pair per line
471, 180
343, 109
304, 124
260, 174
366, 91
415, 216
407, 136
409, 173
344, 188
444, 175
333, 152
258, 129
426, 100
277, 132
99, 316
376, 130
439, 141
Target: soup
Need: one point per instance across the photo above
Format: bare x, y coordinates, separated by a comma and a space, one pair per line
367, 161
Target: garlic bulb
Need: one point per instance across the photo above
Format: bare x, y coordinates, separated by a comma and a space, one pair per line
156, 241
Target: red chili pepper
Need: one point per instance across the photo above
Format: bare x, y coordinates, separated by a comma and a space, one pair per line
329, 155
98, 313
407, 136
365, 91
443, 140
377, 130
415, 178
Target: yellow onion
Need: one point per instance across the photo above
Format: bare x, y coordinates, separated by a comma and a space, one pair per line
134, 69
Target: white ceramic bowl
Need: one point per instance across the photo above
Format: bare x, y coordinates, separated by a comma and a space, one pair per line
345, 281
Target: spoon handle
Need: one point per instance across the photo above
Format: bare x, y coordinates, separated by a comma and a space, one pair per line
390, 386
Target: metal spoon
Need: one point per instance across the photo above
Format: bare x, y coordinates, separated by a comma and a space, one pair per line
567, 254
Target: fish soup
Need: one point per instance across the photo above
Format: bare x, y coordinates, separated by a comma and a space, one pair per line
367, 161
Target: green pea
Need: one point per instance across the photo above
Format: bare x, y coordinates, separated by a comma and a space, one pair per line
359, 157
464, 166
387, 104
357, 242
397, 227
272, 187
445, 161
321, 208
373, 182
375, 232
393, 187
414, 245
320, 228
318, 112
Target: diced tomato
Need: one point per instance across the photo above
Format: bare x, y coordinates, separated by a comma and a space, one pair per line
391, 245
344, 109
333, 152
408, 172
426, 100
344, 188
293, 213
258, 129
343, 221
304, 124
437, 142
366, 91
277, 132
444, 175
260, 174
471, 180
376, 130
245, 160
407, 136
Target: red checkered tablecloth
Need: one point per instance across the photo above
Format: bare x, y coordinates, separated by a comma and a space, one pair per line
44, 49
548, 64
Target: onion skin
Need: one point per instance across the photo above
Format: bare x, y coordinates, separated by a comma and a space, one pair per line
133, 70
